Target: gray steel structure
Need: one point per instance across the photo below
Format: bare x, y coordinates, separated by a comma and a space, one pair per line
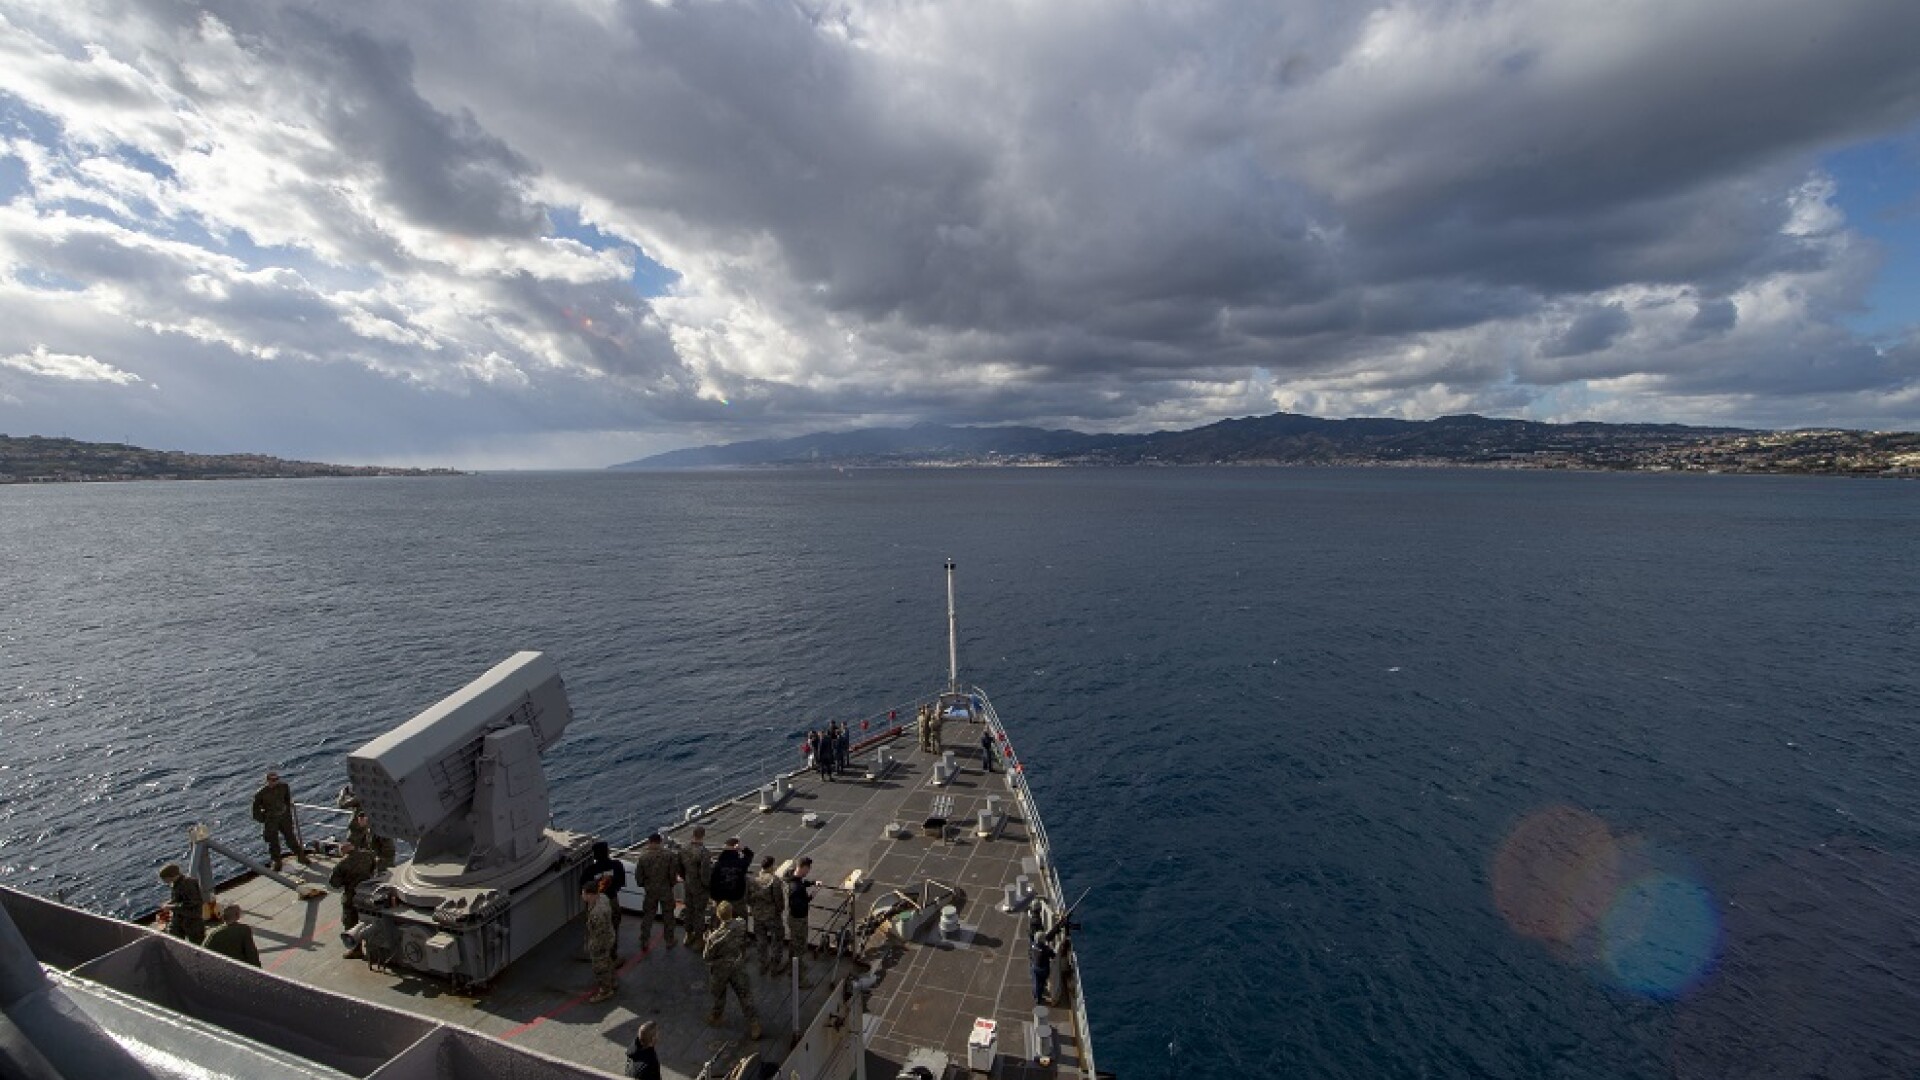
462, 782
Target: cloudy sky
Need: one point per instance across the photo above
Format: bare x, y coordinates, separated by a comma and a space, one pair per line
574, 232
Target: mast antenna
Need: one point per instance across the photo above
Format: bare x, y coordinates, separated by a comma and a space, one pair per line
953, 637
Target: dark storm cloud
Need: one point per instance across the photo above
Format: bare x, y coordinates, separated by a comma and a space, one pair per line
1714, 317
618, 333
1591, 331
1078, 180
439, 168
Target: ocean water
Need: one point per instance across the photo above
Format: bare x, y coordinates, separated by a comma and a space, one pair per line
1365, 773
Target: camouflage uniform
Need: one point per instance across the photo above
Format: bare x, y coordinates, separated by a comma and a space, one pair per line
696, 868
273, 809
925, 723
600, 942
726, 956
353, 868
654, 870
361, 835
766, 902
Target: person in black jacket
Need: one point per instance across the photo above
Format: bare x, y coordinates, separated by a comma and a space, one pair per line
1040, 954
731, 869
643, 1061
186, 906
799, 899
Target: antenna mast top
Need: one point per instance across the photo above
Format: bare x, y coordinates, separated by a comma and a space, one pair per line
953, 637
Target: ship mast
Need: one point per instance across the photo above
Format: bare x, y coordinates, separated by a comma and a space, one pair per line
953, 637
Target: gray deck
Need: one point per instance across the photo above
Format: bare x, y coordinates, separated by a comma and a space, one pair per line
927, 997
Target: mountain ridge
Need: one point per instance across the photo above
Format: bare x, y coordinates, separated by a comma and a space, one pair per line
1297, 439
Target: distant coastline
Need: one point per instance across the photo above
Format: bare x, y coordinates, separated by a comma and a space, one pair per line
1292, 440
35, 459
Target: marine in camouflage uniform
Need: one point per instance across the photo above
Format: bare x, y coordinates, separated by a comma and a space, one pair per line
654, 870
600, 941
766, 903
726, 956
273, 809
361, 835
354, 867
696, 871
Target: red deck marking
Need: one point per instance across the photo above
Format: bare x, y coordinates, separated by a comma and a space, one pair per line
286, 953
890, 733
574, 1000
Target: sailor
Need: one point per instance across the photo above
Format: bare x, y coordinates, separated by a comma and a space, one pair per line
986, 749
843, 747
604, 865
696, 874
273, 809
924, 720
799, 899
601, 938
933, 728
234, 938
766, 903
725, 952
361, 835
1040, 958
355, 866
186, 906
654, 869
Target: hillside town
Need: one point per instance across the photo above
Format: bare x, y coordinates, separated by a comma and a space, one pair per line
34, 459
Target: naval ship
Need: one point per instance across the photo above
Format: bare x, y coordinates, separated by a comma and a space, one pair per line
934, 872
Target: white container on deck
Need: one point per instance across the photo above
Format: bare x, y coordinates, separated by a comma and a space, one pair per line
981, 1045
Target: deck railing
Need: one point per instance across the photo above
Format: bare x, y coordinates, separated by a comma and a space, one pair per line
1044, 847
744, 780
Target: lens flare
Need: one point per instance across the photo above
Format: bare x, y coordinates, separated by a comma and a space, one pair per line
1635, 914
1660, 936
1555, 874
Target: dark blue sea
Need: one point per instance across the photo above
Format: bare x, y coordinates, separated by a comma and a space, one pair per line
1370, 773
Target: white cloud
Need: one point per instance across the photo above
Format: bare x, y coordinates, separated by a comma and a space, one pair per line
52, 365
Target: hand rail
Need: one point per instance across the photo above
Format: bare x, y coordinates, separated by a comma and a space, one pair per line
1044, 846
